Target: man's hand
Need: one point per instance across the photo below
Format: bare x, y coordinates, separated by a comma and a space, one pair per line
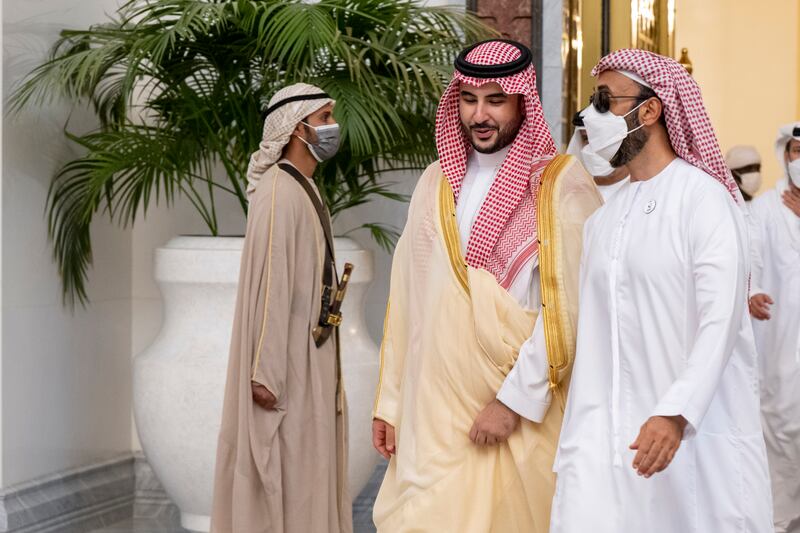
657, 443
791, 199
262, 396
494, 424
383, 438
759, 306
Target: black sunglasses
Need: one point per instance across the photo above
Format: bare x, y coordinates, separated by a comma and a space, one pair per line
601, 100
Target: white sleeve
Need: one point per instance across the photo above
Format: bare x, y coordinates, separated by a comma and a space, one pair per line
526, 389
756, 252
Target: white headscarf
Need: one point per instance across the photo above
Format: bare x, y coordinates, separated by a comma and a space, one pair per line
286, 109
784, 136
742, 156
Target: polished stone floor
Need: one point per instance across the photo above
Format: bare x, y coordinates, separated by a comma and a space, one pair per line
362, 514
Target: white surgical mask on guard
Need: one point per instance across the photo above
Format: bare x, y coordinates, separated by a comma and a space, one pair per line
606, 131
751, 182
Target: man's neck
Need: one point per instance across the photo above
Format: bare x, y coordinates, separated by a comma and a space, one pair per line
618, 175
299, 156
654, 157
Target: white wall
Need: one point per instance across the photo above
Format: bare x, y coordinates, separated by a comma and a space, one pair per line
65, 377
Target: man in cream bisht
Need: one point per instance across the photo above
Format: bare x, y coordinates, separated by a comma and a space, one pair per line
282, 446
777, 282
480, 323
662, 431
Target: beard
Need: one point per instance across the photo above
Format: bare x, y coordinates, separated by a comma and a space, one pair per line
632, 145
505, 135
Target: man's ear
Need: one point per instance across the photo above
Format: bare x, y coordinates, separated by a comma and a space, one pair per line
300, 130
651, 111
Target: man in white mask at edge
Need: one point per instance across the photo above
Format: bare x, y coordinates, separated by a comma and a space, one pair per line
778, 338
607, 178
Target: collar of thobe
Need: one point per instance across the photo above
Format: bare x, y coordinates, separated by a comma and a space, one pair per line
489, 161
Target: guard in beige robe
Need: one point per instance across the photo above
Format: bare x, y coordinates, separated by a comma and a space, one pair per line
282, 469
480, 328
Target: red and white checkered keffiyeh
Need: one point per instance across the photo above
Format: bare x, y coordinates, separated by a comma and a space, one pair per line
504, 235
690, 131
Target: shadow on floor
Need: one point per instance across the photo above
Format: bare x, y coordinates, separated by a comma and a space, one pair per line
362, 513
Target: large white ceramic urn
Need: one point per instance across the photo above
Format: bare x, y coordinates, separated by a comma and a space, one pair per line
179, 380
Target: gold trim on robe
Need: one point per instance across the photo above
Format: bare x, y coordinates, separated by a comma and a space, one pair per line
559, 331
447, 218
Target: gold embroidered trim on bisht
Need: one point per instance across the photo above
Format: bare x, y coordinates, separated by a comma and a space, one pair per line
555, 315
452, 241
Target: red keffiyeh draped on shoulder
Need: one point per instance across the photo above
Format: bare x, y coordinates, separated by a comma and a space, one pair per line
504, 235
690, 131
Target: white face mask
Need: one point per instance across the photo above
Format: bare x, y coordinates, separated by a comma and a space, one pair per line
594, 164
751, 182
794, 172
606, 131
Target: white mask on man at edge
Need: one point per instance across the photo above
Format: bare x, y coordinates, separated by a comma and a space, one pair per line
794, 172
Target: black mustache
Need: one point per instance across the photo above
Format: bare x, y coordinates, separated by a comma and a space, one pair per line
483, 125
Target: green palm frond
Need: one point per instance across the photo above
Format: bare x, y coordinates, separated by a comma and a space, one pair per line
178, 87
384, 235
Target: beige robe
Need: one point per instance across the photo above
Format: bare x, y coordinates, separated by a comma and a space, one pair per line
451, 336
282, 470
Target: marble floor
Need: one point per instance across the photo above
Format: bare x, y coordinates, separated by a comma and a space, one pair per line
362, 514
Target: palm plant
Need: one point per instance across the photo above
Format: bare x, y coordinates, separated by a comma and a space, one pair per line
178, 88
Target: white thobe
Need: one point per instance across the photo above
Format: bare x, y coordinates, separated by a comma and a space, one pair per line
778, 343
607, 191
526, 388
663, 329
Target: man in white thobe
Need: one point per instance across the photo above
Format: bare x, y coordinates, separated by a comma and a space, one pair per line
778, 336
607, 178
661, 432
745, 165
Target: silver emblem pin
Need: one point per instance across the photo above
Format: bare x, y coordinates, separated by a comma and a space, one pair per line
650, 207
